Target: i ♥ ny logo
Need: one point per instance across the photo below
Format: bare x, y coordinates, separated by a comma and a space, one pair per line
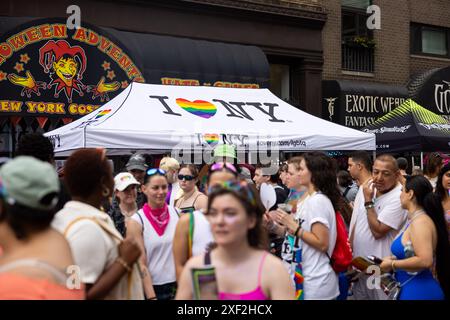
211, 139
199, 108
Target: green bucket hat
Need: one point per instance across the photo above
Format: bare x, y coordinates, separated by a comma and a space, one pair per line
30, 182
225, 150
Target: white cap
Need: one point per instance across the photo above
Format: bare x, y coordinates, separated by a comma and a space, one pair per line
123, 180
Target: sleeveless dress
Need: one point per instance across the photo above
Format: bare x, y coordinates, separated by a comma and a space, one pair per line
415, 286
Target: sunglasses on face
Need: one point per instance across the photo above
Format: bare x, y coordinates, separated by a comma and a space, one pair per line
223, 165
153, 171
185, 177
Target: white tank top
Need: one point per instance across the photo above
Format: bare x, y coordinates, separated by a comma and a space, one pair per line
202, 234
160, 261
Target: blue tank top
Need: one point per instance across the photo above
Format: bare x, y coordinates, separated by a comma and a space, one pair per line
418, 285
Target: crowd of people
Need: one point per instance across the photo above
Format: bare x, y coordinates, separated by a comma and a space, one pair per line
92, 233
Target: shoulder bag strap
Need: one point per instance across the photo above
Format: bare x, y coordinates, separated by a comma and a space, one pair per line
191, 234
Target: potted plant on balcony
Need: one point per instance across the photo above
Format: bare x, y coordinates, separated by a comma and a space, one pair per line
361, 42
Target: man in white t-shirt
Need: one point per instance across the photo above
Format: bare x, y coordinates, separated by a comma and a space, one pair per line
377, 218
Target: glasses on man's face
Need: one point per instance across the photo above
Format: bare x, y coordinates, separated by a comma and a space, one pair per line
185, 177
153, 171
223, 165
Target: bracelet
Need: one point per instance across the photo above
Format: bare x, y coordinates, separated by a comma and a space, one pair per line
301, 234
392, 265
124, 264
152, 298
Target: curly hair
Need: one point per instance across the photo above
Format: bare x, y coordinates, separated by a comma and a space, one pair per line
84, 171
323, 176
248, 196
35, 145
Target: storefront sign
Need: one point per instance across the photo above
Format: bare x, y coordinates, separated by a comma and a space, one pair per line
433, 92
48, 70
356, 104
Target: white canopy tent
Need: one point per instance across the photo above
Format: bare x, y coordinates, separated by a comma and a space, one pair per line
159, 118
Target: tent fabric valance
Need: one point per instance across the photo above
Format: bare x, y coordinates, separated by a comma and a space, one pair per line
164, 118
410, 127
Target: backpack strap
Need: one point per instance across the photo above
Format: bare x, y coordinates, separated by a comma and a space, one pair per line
74, 221
207, 259
191, 233
142, 221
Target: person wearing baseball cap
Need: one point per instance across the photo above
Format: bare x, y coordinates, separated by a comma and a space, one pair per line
29, 191
225, 153
137, 166
125, 191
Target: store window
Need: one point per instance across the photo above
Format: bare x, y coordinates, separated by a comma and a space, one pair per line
428, 40
357, 41
280, 81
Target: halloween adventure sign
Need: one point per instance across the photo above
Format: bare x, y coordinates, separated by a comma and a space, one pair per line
48, 70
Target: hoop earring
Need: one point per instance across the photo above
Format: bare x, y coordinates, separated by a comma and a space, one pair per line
105, 192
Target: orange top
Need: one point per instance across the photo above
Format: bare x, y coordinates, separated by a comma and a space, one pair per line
17, 287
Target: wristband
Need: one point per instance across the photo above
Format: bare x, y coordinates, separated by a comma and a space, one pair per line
301, 234
392, 265
124, 264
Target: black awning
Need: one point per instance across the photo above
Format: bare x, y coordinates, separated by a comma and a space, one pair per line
431, 89
166, 59
357, 104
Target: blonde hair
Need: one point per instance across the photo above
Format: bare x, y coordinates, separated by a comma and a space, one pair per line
168, 163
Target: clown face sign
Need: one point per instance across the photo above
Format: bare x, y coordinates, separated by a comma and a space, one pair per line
49, 70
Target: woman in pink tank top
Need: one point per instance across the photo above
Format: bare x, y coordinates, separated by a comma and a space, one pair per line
243, 269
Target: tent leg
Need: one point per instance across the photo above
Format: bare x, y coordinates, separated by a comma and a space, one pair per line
421, 160
412, 163
374, 155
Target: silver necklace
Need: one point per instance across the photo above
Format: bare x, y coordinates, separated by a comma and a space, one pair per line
416, 214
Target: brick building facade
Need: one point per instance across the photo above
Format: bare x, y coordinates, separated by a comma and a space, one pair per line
394, 60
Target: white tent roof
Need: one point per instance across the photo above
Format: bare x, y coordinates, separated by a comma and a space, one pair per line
161, 118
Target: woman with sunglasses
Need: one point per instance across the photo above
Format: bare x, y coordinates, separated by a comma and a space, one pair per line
153, 227
244, 270
192, 199
193, 232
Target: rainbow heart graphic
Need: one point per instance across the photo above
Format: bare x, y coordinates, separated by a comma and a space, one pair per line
102, 113
211, 138
200, 108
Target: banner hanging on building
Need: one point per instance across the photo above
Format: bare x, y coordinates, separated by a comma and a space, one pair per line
48, 70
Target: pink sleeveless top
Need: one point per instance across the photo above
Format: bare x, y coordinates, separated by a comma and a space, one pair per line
257, 294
